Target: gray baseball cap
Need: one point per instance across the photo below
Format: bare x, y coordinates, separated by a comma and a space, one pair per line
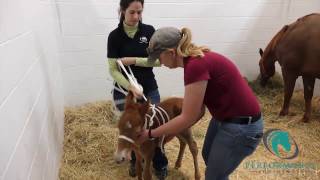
162, 39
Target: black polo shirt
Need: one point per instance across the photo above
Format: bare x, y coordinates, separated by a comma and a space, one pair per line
121, 45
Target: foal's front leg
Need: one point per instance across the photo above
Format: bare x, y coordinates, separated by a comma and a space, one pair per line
181, 152
138, 165
147, 164
194, 151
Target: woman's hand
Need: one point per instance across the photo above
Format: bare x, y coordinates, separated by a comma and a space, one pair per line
137, 93
143, 136
127, 61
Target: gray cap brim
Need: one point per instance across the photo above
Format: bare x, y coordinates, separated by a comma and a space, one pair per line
162, 39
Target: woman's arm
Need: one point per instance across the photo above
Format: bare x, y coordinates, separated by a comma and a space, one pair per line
116, 74
121, 80
192, 108
143, 62
140, 61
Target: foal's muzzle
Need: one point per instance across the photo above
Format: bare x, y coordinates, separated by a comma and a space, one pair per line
121, 156
263, 80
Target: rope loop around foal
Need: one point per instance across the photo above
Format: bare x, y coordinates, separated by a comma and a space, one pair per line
148, 124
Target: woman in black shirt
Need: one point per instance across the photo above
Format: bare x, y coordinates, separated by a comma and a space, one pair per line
128, 42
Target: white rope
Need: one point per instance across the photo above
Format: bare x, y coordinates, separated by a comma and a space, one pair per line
157, 119
132, 79
153, 107
126, 138
164, 121
146, 126
154, 111
165, 112
162, 118
120, 90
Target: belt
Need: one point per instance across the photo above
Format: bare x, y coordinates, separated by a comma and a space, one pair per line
243, 119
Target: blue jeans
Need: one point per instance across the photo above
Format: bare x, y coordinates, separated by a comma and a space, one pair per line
227, 144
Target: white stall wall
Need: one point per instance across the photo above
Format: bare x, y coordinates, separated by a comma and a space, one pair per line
31, 99
235, 28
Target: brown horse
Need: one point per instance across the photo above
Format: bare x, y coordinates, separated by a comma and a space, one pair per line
297, 49
135, 117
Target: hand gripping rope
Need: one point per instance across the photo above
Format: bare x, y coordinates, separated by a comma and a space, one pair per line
132, 80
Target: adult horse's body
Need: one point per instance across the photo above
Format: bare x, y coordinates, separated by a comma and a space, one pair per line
137, 116
297, 49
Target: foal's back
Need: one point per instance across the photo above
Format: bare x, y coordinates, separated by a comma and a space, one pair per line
172, 105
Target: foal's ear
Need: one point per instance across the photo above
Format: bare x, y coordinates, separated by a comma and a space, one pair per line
260, 52
129, 99
144, 107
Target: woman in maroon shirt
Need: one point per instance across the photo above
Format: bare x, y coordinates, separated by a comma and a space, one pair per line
214, 81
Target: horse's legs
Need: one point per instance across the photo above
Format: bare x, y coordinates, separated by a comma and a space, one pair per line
289, 82
147, 164
181, 152
194, 151
138, 165
308, 84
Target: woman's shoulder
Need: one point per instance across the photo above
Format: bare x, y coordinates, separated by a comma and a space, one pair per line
114, 33
147, 27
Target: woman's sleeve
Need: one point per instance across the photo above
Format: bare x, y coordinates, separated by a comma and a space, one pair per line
113, 55
143, 62
116, 74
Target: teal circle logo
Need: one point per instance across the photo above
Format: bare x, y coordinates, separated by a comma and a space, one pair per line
280, 143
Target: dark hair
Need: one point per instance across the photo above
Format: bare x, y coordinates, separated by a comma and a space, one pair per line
124, 4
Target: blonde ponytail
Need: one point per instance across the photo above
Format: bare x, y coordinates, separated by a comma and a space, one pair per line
187, 48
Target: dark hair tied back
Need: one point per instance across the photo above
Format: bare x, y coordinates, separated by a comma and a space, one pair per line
124, 4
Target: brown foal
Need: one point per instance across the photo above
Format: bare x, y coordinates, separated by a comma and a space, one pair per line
137, 116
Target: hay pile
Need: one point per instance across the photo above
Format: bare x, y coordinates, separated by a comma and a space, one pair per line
91, 135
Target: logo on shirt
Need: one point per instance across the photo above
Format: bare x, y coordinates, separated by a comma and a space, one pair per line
143, 39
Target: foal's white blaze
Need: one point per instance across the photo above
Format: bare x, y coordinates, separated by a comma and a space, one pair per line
123, 154
129, 125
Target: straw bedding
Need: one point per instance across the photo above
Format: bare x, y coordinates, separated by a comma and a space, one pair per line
91, 137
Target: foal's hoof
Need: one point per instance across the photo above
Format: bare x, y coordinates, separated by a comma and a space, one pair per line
198, 177
305, 119
161, 174
132, 171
